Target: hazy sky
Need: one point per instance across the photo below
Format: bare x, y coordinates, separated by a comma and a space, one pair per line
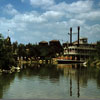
38, 20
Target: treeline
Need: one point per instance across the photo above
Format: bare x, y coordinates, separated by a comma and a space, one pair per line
10, 52
98, 50
36, 51
95, 59
6, 54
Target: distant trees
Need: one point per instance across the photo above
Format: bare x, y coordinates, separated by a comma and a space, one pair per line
15, 47
37, 51
44, 52
95, 59
6, 54
9, 52
98, 50
21, 50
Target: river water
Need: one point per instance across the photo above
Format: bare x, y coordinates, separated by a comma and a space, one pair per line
60, 81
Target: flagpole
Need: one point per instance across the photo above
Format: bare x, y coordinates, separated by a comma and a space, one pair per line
8, 32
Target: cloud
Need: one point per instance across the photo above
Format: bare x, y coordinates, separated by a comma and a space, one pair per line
92, 32
53, 23
76, 22
75, 7
52, 15
9, 9
92, 15
42, 2
29, 17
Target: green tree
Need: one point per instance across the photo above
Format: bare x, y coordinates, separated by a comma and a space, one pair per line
29, 49
15, 46
35, 51
21, 50
6, 54
98, 49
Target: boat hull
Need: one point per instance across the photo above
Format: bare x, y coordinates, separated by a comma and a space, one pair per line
69, 61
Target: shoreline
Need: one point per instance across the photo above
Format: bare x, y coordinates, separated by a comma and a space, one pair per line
21, 62
53, 61
94, 63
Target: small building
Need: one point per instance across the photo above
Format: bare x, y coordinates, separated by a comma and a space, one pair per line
43, 43
54, 43
81, 41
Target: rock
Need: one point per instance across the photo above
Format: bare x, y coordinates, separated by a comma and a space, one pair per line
85, 64
0, 71
98, 64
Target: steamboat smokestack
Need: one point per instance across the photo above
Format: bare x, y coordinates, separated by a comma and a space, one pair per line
71, 35
78, 34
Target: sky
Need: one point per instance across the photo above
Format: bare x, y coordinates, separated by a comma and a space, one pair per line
44, 20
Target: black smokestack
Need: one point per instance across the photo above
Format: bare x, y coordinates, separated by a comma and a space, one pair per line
71, 35
78, 34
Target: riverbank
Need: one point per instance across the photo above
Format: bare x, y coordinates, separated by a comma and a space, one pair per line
52, 61
94, 63
11, 70
21, 62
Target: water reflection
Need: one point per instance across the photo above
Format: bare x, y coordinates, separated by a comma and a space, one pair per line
42, 71
5, 80
79, 80
81, 75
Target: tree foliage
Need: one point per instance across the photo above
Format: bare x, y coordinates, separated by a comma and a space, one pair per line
6, 54
38, 51
9, 52
98, 49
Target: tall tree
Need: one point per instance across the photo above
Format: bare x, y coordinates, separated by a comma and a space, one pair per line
6, 54
15, 46
21, 50
98, 49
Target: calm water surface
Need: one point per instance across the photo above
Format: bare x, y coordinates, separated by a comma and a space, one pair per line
51, 82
